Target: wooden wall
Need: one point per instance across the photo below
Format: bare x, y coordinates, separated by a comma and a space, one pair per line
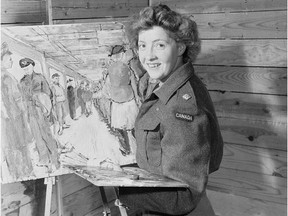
35, 12
243, 62
30, 12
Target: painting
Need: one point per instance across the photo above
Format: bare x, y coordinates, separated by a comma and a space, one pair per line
28, 148
64, 105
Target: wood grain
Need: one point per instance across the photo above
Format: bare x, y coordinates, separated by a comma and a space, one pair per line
13, 197
92, 20
99, 211
267, 80
265, 53
229, 204
86, 9
242, 25
254, 133
268, 109
256, 160
84, 201
248, 184
72, 183
208, 6
23, 11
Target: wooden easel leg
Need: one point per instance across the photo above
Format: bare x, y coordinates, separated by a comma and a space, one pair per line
59, 196
49, 182
118, 203
106, 208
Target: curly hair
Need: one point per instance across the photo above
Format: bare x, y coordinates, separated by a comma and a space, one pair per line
179, 27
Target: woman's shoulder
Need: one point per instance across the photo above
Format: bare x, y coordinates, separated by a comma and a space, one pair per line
185, 98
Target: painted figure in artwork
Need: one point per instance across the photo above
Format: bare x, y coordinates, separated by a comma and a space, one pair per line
124, 108
87, 98
80, 92
71, 99
15, 132
58, 101
38, 95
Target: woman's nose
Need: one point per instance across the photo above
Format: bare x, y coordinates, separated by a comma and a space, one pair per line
150, 54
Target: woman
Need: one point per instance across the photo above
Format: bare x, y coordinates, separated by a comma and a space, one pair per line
177, 132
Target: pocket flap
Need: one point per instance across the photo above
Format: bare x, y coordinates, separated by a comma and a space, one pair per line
148, 124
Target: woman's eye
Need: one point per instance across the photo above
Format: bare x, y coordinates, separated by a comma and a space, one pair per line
141, 46
160, 46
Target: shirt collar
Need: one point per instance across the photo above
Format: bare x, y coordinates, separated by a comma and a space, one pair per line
177, 78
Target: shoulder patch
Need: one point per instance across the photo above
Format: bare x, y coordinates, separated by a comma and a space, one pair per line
184, 116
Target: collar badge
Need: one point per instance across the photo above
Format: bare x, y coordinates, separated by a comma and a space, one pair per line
186, 96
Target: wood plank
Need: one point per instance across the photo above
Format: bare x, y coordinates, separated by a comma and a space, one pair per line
244, 79
26, 209
83, 201
264, 188
265, 53
210, 6
241, 106
72, 183
254, 133
243, 25
257, 160
23, 11
229, 204
13, 196
240, 25
23, 197
63, 9
121, 20
99, 211
268, 109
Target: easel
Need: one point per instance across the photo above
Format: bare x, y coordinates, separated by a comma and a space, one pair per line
50, 181
107, 211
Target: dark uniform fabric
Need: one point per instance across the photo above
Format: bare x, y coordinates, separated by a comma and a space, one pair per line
178, 136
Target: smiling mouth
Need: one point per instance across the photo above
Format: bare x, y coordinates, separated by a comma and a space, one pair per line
153, 65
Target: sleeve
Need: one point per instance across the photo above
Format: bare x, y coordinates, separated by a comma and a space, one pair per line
10, 89
45, 86
186, 150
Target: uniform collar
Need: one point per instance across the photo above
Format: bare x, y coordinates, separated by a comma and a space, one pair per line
177, 79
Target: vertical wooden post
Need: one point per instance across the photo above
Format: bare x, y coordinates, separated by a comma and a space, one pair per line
118, 203
59, 196
49, 182
49, 20
106, 208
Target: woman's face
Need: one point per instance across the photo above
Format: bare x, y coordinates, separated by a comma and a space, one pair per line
158, 53
7, 61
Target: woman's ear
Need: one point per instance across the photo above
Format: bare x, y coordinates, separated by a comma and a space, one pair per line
181, 49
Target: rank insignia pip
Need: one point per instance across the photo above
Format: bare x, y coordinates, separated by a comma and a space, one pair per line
186, 96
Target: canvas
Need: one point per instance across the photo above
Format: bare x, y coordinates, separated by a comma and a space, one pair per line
32, 143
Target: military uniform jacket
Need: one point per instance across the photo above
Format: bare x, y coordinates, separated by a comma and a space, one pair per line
177, 131
35, 83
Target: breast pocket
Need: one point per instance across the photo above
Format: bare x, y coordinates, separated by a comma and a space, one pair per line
152, 140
